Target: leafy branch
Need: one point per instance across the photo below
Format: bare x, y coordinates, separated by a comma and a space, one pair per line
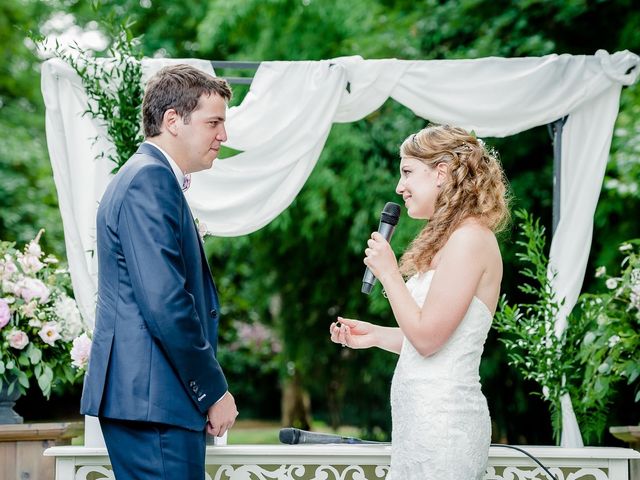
113, 86
551, 359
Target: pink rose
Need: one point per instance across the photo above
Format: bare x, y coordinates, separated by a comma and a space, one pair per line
18, 339
80, 351
49, 333
5, 313
31, 288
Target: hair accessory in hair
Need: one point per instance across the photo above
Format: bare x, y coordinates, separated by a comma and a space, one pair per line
414, 141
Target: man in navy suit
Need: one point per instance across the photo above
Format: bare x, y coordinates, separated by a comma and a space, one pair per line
153, 378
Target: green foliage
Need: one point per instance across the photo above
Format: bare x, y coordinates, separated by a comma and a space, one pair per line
114, 88
533, 346
156, 23
233, 27
18, 70
610, 349
250, 351
28, 199
597, 350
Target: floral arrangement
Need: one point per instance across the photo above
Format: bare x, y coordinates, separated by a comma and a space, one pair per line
41, 331
598, 349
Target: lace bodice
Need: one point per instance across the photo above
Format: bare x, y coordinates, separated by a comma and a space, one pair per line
441, 426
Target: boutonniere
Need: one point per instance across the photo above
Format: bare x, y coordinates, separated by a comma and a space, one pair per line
202, 229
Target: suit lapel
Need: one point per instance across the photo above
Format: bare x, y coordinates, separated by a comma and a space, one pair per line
149, 149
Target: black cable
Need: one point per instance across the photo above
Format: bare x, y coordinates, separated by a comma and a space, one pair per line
528, 455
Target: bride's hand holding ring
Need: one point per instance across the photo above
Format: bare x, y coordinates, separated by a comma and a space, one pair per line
353, 333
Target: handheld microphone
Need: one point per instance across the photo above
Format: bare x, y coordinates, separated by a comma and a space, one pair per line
388, 221
295, 436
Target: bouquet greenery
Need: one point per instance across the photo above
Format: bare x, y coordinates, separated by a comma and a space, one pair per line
41, 331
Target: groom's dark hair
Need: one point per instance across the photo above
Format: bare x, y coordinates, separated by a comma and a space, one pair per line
179, 87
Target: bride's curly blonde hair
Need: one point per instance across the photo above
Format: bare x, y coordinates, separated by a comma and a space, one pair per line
475, 187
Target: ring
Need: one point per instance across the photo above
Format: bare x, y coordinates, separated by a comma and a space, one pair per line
344, 345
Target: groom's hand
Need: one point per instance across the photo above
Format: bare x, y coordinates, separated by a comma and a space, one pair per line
221, 415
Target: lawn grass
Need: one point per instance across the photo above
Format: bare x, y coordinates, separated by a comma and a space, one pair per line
261, 432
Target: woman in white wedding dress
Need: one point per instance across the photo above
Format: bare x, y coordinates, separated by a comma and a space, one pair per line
441, 426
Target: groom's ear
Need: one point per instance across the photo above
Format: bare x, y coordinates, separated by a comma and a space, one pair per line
170, 121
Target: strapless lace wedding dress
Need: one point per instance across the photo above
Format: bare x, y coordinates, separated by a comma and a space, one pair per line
441, 426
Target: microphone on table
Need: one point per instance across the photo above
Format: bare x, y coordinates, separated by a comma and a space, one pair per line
295, 436
388, 221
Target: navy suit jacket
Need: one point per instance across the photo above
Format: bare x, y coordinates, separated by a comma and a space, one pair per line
153, 356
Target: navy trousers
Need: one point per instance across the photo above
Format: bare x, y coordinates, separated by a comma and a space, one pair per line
154, 451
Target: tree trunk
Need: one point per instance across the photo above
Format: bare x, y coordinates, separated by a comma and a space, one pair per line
296, 404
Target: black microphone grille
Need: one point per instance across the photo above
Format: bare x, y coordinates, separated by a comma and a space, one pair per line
289, 436
390, 213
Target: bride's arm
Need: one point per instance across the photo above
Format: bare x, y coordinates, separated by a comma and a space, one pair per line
454, 284
390, 339
358, 334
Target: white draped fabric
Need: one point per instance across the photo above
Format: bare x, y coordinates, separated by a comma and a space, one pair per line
282, 125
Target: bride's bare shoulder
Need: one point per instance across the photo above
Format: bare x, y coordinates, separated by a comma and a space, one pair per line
472, 232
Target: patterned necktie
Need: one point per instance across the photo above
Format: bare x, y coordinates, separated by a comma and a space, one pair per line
186, 182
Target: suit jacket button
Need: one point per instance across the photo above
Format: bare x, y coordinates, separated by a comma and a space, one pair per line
213, 312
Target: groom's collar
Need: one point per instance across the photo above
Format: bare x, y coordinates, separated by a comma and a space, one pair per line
154, 150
